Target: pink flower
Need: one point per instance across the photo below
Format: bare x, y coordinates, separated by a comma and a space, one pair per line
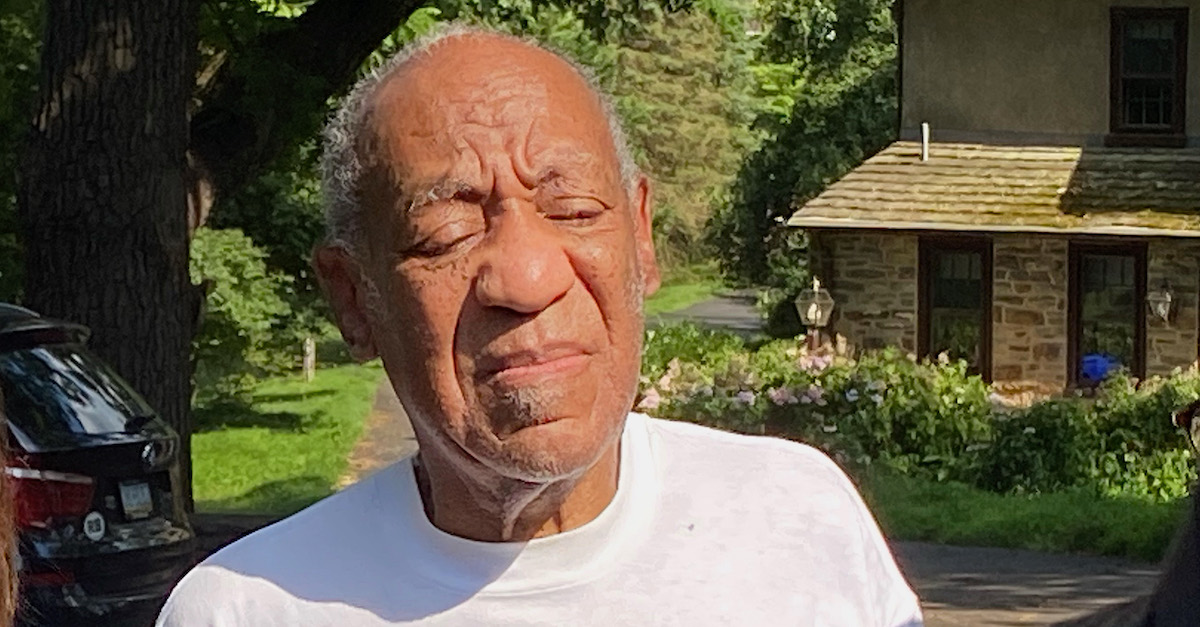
745, 397
782, 396
650, 400
814, 363
815, 394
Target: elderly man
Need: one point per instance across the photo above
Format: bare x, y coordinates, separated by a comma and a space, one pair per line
490, 241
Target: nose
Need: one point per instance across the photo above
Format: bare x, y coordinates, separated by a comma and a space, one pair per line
526, 268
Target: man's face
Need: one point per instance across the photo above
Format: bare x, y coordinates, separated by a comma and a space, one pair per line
510, 259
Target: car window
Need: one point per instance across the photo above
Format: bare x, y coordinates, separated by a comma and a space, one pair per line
59, 390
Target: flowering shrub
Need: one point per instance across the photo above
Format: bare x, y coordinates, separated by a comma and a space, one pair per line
921, 417
883, 406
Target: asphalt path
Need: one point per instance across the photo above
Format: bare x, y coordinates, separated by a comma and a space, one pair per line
733, 311
969, 586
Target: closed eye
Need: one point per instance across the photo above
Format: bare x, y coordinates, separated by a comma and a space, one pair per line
574, 209
445, 240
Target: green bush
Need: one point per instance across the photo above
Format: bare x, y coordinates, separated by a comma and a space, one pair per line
1050, 446
243, 313
882, 407
1140, 452
924, 419
686, 343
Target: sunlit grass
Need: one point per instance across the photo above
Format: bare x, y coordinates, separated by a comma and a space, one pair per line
285, 445
1069, 522
670, 298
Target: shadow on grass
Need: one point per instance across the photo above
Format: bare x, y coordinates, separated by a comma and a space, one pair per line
292, 396
284, 496
235, 414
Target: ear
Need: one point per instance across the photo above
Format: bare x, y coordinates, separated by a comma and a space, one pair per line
340, 277
643, 220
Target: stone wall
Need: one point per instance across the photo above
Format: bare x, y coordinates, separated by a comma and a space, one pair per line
1029, 310
1172, 344
872, 276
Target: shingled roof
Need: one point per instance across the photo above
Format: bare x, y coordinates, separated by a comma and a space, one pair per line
1038, 189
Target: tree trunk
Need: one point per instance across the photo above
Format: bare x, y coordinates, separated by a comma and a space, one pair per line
103, 198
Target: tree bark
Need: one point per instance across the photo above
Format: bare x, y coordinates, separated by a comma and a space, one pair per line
103, 198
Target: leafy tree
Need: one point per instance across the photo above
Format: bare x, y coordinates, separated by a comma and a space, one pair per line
677, 84
827, 72
20, 25
244, 307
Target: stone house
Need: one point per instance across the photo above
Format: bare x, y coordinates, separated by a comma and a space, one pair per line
1046, 225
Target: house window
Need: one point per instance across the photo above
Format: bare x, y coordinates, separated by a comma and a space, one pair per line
956, 301
1149, 66
1107, 311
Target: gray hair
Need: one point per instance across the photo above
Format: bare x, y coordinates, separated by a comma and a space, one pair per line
342, 168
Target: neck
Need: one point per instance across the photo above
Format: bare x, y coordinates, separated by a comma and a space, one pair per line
492, 508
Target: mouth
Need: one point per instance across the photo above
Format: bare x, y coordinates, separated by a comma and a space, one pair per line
525, 367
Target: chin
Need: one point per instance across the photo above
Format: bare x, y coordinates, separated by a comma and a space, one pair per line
555, 450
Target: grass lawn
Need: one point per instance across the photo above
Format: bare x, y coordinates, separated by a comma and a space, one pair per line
1069, 522
285, 446
678, 296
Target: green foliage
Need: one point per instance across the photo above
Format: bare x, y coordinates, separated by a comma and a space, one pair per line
20, 42
282, 213
687, 343
677, 86
1048, 447
924, 419
1069, 521
834, 62
1141, 452
242, 311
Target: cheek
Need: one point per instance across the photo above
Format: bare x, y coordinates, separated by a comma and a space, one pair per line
427, 304
608, 269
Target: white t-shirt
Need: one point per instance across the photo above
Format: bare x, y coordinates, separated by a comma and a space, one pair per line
706, 528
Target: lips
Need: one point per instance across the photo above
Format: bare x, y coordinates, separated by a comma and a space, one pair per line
526, 366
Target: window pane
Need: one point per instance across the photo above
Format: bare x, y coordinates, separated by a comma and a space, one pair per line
1148, 82
956, 305
1107, 315
1149, 47
1149, 101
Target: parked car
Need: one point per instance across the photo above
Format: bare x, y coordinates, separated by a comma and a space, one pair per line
102, 525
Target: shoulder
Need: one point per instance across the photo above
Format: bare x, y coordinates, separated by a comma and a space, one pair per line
309, 553
353, 509
788, 494
212, 595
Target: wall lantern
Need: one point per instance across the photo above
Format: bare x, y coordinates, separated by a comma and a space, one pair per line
814, 305
1160, 302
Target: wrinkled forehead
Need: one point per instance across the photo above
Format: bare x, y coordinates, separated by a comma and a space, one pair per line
475, 97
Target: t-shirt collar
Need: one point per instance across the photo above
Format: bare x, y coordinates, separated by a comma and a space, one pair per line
568, 558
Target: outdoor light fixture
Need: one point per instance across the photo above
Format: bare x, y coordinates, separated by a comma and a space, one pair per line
814, 305
1160, 302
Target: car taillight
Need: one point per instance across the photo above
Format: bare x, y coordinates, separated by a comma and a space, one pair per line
42, 495
52, 578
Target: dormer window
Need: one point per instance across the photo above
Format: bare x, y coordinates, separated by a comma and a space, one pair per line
1149, 67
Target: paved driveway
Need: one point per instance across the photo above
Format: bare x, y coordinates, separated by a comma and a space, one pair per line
969, 586
734, 312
